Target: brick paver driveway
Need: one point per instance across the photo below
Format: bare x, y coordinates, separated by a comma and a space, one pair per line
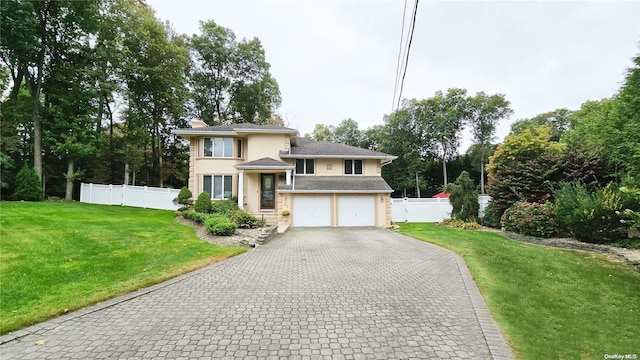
313, 293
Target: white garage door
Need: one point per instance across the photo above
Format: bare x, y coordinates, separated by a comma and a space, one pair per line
309, 211
356, 211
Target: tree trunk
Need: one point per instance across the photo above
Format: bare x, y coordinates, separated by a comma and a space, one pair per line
112, 169
133, 181
444, 167
68, 195
482, 171
160, 159
126, 173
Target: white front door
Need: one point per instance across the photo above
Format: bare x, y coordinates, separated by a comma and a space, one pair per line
356, 211
311, 211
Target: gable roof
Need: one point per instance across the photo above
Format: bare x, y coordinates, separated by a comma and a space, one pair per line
263, 164
307, 148
339, 184
235, 129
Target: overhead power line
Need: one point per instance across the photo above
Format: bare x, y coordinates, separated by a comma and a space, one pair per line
397, 78
412, 26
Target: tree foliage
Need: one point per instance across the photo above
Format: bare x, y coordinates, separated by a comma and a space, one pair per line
230, 80
558, 120
524, 168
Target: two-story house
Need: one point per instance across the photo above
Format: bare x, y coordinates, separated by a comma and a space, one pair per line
270, 169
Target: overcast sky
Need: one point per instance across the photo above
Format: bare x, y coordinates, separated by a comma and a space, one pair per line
337, 59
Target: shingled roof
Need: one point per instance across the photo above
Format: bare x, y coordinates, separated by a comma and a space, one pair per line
341, 184
307, 148
264, 163
236, 128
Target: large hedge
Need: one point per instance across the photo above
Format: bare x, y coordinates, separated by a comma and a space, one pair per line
525, 167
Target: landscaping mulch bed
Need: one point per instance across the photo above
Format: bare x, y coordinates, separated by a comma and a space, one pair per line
242, 237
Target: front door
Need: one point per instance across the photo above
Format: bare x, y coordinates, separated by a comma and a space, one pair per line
267, 191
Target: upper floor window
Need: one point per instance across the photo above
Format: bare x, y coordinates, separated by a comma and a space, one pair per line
353, 167
218, 147
305, 166
239, 148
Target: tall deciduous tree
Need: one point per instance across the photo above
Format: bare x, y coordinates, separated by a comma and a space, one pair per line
558, 120
484, 113
230, 80
32, 32
443, 118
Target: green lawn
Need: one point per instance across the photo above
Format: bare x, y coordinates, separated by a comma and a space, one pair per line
57, 257
551, 304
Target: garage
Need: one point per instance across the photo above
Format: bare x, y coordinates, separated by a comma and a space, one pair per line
311, 211
356, 211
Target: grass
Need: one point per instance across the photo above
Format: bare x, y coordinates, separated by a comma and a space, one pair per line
56, 257
550, 303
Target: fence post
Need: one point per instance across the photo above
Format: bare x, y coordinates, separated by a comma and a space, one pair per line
144, 205
124, 190
405, 202
90, 193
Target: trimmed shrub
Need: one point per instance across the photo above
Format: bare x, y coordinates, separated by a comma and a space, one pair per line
530, 219
184, 197
203, 203
195, 216
464, 198
246, 220
490, 218
224, 207
220, 225
28, 186
224, 229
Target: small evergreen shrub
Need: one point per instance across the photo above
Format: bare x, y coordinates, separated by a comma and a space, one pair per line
28, 186
220, 225
224, 229
224, 207
246, 220
490, 218
203, 203
184, 197
464, 198
530, 219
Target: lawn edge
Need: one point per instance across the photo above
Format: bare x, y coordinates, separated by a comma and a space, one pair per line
498, 347
55, 321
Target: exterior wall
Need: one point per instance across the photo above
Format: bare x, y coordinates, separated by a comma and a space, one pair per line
264, 145
371, 167
284, 202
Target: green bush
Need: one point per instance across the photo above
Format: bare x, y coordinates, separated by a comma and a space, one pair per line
461, 224
224, 229
184, 197
490, 218
246, 220
203, 203
464, 198
530, 219
598, 216
220, 225
224, 207
28, 186
195, 216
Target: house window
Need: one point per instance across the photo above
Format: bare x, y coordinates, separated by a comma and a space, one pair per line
218, 186
218, 147
305, 166
239, 148
353, 167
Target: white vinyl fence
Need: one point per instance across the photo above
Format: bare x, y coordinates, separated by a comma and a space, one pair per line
127, 195
426, 209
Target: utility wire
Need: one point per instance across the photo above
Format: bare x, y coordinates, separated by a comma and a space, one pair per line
398, 63
413, 26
